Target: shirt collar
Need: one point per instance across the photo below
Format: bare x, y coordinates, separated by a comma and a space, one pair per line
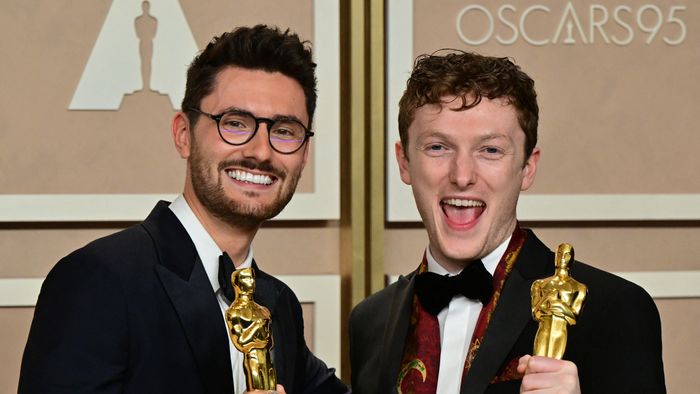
490, 260
207, 249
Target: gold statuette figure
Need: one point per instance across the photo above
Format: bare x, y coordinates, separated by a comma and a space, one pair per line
556, 303
250, 331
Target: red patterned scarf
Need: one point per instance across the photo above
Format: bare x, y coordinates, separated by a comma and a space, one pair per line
421, 359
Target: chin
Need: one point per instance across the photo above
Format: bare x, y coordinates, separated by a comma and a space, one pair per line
463, 255
464, 246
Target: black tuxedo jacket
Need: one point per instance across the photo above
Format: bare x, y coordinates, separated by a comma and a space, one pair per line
616, 343
134, 312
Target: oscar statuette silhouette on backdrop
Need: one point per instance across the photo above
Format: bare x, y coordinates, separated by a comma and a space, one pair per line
146, 26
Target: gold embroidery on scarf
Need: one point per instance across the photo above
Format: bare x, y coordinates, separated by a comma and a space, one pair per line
413, 364
476, 342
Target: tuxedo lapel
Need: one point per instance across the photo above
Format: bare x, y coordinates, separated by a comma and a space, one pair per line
510, 317
508, 320
395, 334
185, 281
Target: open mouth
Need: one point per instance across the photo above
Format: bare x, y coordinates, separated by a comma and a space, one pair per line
462, 212
253, 179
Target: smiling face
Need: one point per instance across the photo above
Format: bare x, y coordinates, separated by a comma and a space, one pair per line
247, 184
466, 171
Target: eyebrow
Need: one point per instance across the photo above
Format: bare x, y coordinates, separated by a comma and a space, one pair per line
494, 136
275, 117
434, 133
481, 138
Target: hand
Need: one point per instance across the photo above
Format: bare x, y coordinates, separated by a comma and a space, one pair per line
280, 390
544, 375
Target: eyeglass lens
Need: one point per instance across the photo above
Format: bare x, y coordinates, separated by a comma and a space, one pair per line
285, 135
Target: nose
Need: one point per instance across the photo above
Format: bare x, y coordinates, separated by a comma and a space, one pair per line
259, 146
463, 171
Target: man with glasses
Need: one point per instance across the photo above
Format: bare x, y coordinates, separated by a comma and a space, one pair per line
142, 311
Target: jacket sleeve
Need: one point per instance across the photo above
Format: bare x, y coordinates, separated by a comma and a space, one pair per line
320, 379
78, 338
626, 356
313, 376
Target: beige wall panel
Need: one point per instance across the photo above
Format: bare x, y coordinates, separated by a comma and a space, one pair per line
680, 320
298, 250
32, 252
608, 248
13, 336
129, 151
47, 149
630, 248
223, 15
614, 119
281, 251
403, 249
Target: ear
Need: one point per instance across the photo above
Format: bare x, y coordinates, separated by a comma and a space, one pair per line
530, 169
181, 134
402, 160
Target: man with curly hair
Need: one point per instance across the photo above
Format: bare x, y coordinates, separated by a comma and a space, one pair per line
461, 322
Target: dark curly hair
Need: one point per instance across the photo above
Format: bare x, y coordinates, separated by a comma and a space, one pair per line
256, 48
470, 76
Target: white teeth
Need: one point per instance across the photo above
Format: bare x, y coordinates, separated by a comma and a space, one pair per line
463, 203
244, 176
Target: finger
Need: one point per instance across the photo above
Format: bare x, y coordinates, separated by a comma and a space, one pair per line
280, 389
544, 373
554, 382
538, 381
522, 363
538, 364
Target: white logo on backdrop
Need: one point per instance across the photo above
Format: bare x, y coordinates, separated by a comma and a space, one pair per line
143, 45
619, 25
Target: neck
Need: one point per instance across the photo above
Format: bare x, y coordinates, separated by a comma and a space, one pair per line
231, 239
452, 266
243, 296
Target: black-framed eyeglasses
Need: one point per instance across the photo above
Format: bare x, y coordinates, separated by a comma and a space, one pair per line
285, 135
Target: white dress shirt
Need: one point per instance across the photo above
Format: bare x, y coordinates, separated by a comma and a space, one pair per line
209, 253
457, 323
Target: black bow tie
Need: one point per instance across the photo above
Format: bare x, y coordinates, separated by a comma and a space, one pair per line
226, 268
435, 291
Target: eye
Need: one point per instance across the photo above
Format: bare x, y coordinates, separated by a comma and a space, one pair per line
234, 124
435, 149
282, 132
492, 152
287, 131
237, 122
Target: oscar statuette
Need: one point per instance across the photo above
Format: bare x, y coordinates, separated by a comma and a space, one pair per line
556, 303
250, 329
